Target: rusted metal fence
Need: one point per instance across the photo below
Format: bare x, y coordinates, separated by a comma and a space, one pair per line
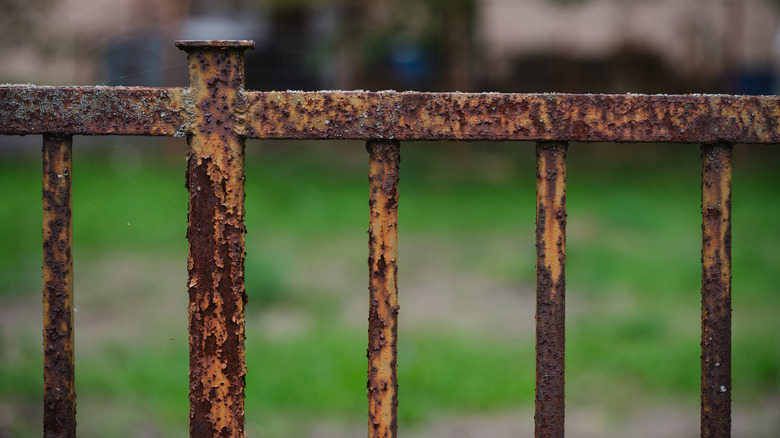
216, 114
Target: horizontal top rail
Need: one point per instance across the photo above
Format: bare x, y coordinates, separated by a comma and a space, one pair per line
28, 109
91, 110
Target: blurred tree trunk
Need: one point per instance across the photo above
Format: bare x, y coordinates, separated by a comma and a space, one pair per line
457, 46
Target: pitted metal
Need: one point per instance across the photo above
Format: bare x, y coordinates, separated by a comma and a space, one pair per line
216, 115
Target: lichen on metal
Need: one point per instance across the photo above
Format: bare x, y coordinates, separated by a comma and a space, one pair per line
90, 110
716, 291
382, 386
550, 287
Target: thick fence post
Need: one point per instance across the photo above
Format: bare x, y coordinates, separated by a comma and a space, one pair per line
716, 291
59, 397
383, 288
215, 180
550, 287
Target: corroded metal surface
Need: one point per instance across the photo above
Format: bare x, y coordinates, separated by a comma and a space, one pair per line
492, 116
716, 291
232, 45
59, 397
91, 110
215, 180
550, 287
216, 114
383, 289
403, 116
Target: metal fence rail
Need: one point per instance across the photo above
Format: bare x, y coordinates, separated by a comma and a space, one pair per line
216, 115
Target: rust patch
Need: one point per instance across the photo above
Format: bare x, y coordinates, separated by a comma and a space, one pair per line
397, 115
383, 289
216, 114
716, 291
215, 180
550, 287
91, 110
495, 116
59, 397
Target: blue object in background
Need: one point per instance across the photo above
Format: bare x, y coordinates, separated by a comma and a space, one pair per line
409, 63
755, 82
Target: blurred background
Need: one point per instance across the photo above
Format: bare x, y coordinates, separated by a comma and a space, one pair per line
577, 46
466, 265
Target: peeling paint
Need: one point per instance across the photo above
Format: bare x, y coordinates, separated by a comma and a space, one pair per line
215, 180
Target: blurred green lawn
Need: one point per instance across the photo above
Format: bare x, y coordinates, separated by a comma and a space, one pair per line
466, 212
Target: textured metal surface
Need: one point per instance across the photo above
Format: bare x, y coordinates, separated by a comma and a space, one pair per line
383, 288
91, 110
59, 397
403, 116
216, 114
550, 287
215, 180
716, 291
231, 45
491, 116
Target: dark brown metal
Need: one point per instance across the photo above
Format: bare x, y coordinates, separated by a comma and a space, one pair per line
91, 110
716, 291
493, 116
215, 180
59, 397
550, 287
383, 288
231, 45
402, 116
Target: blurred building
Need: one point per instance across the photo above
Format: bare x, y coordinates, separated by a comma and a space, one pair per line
630, 45
468, 45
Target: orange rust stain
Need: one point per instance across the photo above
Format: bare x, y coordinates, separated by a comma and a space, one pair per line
493, 116
215, 180
550, 287
383, 290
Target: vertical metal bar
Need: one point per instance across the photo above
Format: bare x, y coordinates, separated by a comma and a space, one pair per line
59, 397
383, 289
716, 291
215, 180
550, 287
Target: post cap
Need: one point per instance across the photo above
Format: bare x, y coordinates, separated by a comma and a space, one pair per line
190, 45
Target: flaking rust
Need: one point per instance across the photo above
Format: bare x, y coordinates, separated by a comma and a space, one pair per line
384, 156
550, 287
216, 114
497, 116
59, 399
28, 109
716, 291
399, 115
215, 180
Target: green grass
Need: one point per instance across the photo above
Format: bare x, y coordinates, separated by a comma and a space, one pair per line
633, 277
